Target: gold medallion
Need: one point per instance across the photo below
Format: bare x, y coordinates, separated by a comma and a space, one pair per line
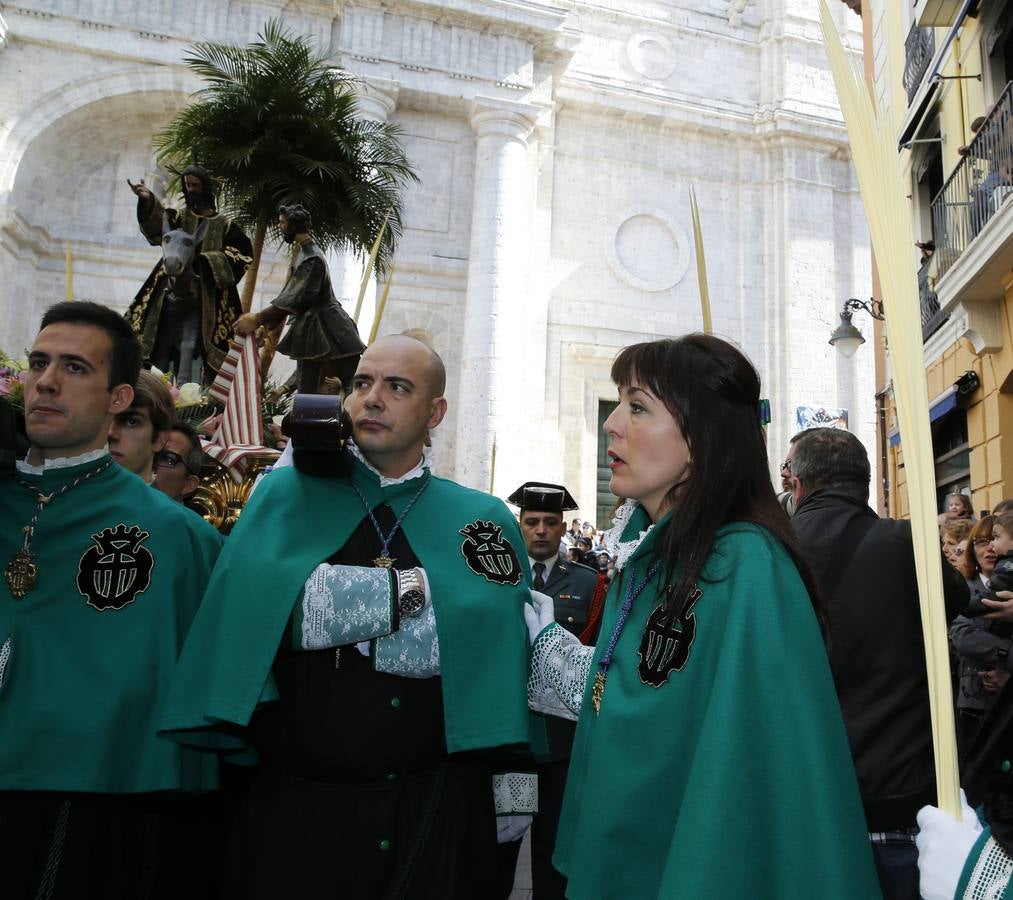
383, 562
597, 689
21, 574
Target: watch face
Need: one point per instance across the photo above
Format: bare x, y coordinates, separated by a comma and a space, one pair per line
410, 603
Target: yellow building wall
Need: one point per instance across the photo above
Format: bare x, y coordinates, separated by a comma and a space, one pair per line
989, 418
990, 412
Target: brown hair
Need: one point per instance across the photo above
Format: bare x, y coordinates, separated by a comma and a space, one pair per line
152, 395
1005, 519
964, 499
955, 529
982, 530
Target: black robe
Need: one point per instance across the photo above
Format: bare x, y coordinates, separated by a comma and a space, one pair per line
219, 263
356, 796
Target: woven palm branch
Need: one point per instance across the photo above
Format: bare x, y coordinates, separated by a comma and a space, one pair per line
884, 195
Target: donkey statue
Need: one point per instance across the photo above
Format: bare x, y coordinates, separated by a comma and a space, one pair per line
178, 336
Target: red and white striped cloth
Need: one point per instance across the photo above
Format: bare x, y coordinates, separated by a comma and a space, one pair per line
237, 389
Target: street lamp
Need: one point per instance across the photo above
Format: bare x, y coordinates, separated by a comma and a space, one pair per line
846, 337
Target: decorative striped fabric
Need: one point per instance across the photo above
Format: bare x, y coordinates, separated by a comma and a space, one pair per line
237, 390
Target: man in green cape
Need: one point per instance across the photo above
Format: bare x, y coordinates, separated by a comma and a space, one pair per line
102, 576
382, 613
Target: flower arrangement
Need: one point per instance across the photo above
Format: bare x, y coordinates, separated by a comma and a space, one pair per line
191, 400
13, 373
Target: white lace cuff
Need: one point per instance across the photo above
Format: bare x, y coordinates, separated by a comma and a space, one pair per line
412, 651
990, 875
515, 793
560, 665
342, 605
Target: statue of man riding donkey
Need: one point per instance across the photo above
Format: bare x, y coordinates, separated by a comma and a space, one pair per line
189, 307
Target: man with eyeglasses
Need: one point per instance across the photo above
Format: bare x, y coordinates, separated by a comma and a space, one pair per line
787, 495
178, 463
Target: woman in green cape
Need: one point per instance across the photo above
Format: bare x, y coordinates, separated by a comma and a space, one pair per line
710, 758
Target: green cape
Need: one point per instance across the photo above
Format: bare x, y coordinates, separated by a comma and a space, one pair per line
732, 779
292, 524
84, 685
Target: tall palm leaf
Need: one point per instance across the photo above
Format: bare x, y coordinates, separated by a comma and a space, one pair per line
277, 124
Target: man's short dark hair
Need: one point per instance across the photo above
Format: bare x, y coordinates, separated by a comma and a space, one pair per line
298, 217
125, 360
194, 458
831, 457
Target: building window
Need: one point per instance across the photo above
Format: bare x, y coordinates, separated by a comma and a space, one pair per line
952, 454
605, 499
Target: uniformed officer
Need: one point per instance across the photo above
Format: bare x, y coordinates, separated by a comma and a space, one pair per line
573, 588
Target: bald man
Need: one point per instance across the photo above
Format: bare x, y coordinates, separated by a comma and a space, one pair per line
387, 720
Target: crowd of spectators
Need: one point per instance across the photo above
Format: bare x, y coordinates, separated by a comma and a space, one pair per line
982, 638
586, 544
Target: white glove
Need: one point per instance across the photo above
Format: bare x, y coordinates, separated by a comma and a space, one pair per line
512, 828
943, 848
538, 614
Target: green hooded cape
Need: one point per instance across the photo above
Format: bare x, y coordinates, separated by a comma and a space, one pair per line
733, 778
93, 645
296, 521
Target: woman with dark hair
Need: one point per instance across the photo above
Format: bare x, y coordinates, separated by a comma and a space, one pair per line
710, 758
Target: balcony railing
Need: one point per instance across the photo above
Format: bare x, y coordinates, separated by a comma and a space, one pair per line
932, 316
978, 186
918, 50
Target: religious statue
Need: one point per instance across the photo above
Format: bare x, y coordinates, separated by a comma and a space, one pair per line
189, 303
321, 337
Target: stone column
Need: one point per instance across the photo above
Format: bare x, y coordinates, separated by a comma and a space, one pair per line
494, 346
377, 99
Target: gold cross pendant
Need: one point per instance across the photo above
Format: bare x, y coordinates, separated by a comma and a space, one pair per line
21, 574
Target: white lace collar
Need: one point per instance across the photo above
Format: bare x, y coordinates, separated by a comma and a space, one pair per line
417, 472
621, 550
60, 462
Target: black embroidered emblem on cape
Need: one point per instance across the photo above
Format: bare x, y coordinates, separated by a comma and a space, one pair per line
664, 649
489, 554
116, 568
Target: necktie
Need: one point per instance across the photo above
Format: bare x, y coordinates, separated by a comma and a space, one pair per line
539, 581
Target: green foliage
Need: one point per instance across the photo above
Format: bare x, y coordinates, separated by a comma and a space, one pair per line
277, 124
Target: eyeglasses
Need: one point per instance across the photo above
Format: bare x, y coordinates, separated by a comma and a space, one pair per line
169, 459
786, 466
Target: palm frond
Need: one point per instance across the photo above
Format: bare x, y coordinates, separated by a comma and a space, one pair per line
277, 123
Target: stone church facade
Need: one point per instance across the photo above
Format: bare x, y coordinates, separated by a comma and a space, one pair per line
556, 144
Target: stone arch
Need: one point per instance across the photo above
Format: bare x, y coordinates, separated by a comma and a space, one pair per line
60, 102
63, 166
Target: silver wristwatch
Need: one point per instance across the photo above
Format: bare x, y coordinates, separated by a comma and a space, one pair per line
411, 597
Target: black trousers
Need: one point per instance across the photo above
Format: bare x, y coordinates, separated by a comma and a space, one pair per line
62, 846
897, 868
546, 881
421, 837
